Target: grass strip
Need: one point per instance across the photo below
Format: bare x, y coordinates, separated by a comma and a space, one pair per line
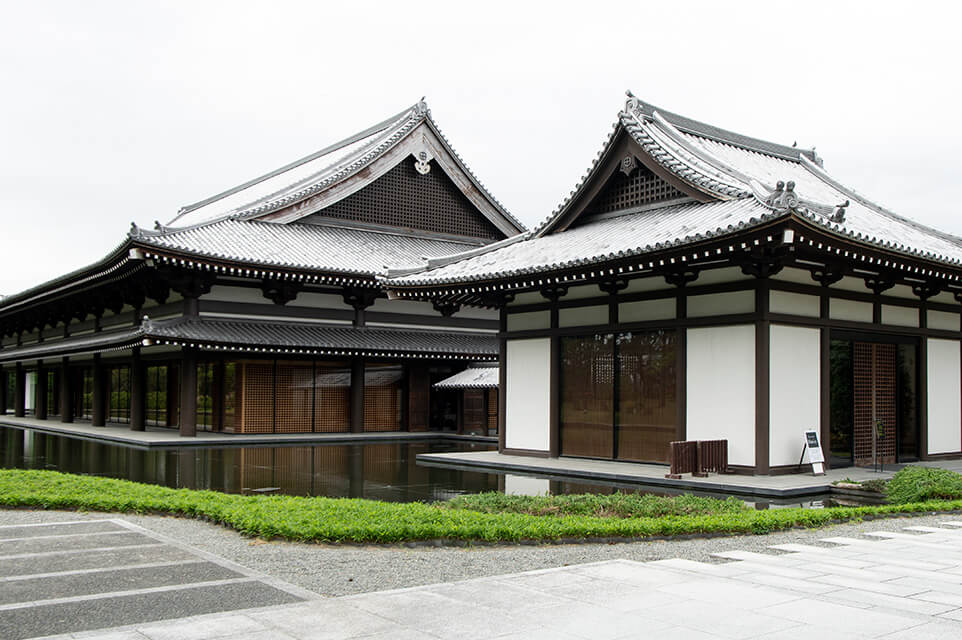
367, 521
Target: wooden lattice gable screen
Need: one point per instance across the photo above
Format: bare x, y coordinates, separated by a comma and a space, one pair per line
625, 191
407, 199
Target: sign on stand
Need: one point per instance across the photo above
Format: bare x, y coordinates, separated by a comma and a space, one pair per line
812, 453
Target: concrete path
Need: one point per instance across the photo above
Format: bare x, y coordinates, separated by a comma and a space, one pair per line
82, 575
883, 585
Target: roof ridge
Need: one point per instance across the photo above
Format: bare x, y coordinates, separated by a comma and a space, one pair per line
827, 178
706, 130
418, 108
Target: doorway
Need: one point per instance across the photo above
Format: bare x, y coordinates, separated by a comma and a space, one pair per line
874, 400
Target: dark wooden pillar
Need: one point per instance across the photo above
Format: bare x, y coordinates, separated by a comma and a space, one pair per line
357, 395
188, 392
217, 396
98, 404
502, 380
19, 391
825, 381
762, 377
419, 398
3, 391
554, 397
40, 402
170, 392
138, 392
66, 391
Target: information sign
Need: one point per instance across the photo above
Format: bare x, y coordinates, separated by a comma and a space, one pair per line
812, 453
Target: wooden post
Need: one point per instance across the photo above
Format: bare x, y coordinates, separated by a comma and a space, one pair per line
188, 393
138, 393
3, 391
357, 395
66, 391
98, 404
217, 396
40, 403
762, 377
19, 391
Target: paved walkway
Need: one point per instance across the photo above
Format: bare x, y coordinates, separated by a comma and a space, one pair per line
73, 576
883, 585
783, 486
161, 437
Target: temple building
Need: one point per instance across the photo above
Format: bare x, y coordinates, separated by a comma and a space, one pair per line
259, 309
700, 284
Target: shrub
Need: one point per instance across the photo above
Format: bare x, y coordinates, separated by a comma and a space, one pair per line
918, 484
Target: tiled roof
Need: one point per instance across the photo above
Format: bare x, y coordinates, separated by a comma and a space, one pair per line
471, 378
736, 171
89, 343
321, 170
599, 241
272, 337
311, 247
280, 337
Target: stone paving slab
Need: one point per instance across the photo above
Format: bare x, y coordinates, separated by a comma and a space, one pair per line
759, 596
71, 577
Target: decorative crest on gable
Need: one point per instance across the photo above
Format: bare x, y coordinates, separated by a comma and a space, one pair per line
628, 164
633, 105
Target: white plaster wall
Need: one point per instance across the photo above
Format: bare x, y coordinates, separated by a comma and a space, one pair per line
528, 394
644, 310
584, 291
651, 283
529, 320
725, 274
719, 304
795, 304
515, 485
799, 276
721, 388
583, 316
851, 310
529, 297
900, 316
849, 283
944, 396
30, 391
942, 320
795, 397
224, 293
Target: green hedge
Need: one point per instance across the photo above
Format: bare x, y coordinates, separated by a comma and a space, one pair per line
917, 484
352, 520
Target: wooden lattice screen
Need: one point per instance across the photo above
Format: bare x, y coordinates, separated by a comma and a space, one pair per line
625, 192
382, 398
492, 410
404, 198
294, 388
874, 371
332, 398
473, 417
258, 397
419, 398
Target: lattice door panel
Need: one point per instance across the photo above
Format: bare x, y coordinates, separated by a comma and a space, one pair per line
258, 398
475, 420
492, 410
874, 388
295, 388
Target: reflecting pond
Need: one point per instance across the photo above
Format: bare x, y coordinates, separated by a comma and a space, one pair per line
382, 470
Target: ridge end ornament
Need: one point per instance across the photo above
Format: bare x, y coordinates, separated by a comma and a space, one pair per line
783, 198
633, 105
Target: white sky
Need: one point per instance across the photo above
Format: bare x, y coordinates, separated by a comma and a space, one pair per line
112, 112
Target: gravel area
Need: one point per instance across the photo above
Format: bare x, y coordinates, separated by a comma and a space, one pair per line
335, 570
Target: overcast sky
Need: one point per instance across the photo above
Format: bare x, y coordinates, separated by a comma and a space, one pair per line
112, 112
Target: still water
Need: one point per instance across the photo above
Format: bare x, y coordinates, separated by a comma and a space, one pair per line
376, 470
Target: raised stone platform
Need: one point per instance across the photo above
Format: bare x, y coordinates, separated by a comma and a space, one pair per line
653, 475
169, 438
